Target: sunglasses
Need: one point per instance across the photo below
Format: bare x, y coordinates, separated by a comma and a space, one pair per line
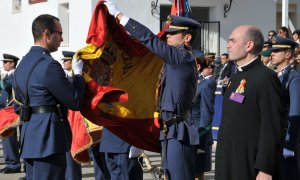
5, 62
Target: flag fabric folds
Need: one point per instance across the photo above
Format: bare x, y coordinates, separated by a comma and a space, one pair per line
8, 121
130, 67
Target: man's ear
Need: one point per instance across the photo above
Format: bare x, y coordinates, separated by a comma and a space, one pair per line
288, 54
250, 46
187, 38
47, 33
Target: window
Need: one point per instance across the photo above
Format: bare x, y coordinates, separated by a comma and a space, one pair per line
63, 15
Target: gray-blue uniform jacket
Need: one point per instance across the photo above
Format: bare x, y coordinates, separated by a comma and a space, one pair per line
290, 80
178, 83
203, 109
45, 133
6, 91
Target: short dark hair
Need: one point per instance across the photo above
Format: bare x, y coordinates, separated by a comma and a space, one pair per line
297, 31
225, 54
192, 32
273, 31
255, 35
204, 63
41, 23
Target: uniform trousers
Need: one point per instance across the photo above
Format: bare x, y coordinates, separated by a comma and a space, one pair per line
52, 167
179, 160
73, 171
292, 166
11, 151
122, 168
100, 168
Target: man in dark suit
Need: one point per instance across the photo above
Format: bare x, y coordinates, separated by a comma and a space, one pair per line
179, 134
42, 86
253, 116
10, 144
282, 52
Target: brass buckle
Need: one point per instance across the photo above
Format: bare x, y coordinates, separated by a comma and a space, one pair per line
165, 128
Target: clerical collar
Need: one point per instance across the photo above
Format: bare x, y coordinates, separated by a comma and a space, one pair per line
246, 66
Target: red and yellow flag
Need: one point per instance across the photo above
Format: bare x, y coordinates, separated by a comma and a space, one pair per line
8, 121
133, 69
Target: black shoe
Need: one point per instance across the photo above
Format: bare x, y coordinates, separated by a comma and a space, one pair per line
11, 171
3, 169
22, 178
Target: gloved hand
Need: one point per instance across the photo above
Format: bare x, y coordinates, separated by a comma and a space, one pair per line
77, 66
112, 8
288, 153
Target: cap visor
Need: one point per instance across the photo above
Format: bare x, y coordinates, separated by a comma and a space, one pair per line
172, 30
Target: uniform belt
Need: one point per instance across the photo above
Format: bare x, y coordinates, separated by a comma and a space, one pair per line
171, 121
165, 124
43, 109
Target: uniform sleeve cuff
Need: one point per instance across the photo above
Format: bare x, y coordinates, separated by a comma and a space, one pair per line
124, 20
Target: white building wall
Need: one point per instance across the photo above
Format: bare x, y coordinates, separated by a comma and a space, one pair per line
256, 12
16, 36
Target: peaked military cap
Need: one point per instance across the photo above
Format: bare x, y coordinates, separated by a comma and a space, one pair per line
179, 23
268, 43
198, 53
282, 43
9, 57
68, 55
266, 53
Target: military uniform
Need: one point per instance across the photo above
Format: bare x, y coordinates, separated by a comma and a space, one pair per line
100, 168
73, 171
117, 160
251, 130
177, 91
202, 114
46, 136
290, 80
10, 144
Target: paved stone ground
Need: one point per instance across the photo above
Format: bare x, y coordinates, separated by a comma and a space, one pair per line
88, 171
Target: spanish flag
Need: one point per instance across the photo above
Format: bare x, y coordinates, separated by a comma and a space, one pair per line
9, 120
129, 67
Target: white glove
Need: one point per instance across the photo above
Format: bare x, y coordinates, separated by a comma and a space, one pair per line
288, 153
135, 152
112, 8
77, 66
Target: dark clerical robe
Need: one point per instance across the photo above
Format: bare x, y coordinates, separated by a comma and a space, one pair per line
252, 130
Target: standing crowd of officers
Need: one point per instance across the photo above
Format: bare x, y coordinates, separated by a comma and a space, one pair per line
260, 126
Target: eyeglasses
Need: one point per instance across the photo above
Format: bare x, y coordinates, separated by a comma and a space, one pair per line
54, 31
271, 34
